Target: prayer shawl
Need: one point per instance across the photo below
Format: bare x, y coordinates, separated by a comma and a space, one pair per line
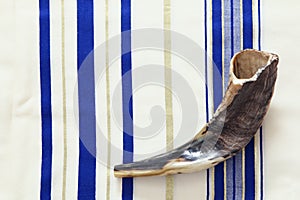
88, 84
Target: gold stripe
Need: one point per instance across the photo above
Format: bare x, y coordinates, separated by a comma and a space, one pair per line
254, 39
223, 49
256, 137
64, 99
241, 23
168, 92
243, 150
210, 52
107, 103
223, 88
225, 182
212, 170
170, 187
256, 159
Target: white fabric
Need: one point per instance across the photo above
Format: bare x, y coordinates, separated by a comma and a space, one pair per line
20, 118
280, 34
20, 130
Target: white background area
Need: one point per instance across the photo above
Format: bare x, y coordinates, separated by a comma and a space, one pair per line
281, 35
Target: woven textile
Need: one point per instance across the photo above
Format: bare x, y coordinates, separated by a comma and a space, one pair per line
89, 84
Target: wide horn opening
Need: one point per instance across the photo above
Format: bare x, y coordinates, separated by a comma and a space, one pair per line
246, 63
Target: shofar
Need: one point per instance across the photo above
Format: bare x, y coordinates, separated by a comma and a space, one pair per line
252, 77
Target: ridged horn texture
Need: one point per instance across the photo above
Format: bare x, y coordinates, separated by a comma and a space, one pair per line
252, 78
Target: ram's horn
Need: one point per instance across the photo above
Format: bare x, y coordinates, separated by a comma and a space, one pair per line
252, 77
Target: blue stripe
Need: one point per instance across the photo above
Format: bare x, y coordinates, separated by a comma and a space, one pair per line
46, 110
228, 30
249, 171
86, 95
261, 166
233, 177
249, 150
232, 27
227, 40
217, 51
238, 176
206, 57
259, 26
206, 87
236, 41
232, 53
127, 183
236, 26
217, 83
233, 160
247, 24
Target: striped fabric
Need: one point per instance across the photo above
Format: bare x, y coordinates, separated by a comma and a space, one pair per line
235, 25
96, 105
